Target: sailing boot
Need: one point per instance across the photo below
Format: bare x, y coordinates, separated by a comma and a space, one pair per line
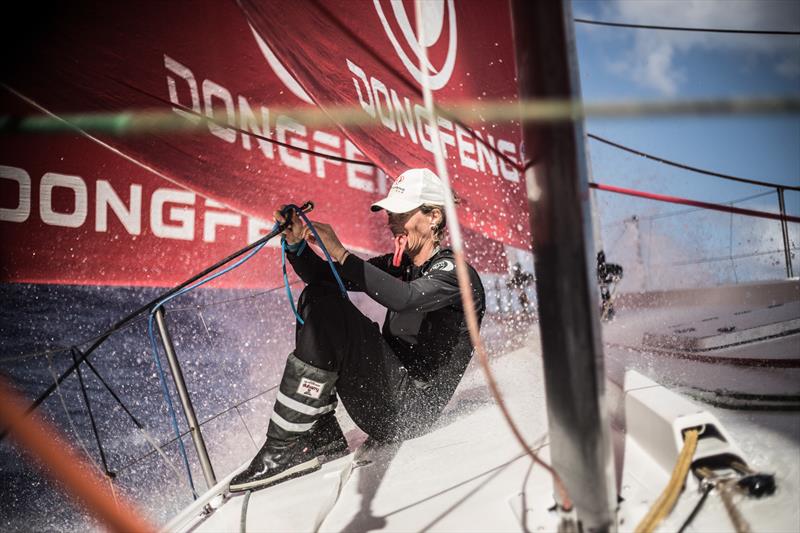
328, 439
304, 396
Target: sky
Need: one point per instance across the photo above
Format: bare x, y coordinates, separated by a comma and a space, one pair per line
639, 64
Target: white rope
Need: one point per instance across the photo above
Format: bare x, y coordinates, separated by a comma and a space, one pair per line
462, 272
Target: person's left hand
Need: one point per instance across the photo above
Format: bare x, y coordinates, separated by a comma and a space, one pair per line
328, 237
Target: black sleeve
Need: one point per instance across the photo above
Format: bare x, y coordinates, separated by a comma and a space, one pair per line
312, 268
436, 289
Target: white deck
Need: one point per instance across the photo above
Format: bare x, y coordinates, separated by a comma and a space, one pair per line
469, 474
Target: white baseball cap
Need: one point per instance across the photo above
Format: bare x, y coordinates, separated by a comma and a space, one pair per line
411, 189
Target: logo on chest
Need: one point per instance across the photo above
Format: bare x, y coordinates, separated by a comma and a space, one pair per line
445, 265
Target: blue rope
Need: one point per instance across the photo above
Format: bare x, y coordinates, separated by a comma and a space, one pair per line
170, 407
154, 345
296, 248
322, 246
284, 247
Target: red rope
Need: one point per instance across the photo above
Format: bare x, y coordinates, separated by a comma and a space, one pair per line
695, 203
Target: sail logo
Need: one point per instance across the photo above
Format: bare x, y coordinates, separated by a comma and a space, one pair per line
433, 21
289, 81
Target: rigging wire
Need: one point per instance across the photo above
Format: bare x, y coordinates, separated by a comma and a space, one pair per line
72, 424
277, 228
147, 436
696, 203
719, 258
201, 424
58, 349
682, 212
689, 167
462, 272
135, 314
89, 410
683, 28
161, 375
226, 125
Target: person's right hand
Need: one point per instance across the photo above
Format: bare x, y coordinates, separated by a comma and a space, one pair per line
293, 233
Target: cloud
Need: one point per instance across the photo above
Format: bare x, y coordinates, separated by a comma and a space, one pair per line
651, 62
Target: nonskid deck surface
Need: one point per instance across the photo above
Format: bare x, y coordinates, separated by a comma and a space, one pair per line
469, 474
737, 346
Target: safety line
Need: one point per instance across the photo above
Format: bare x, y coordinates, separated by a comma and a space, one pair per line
682, 212
689, 167
72, 424
718, 259
139, 459
59, 349
147, 436
696, 203
683, 28
85, 395
123, 321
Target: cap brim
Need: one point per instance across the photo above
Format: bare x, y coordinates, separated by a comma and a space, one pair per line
395, 205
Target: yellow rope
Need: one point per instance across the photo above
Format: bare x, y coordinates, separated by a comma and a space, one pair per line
666, 501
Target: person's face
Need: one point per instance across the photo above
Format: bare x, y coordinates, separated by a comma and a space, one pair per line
416, 225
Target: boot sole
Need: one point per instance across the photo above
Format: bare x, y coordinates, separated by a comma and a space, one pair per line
298, 470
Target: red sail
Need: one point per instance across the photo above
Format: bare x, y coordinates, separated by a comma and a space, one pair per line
148, 209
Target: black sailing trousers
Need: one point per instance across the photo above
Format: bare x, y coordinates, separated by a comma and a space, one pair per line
373, 384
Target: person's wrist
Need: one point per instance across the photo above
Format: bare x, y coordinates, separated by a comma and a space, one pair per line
342, 256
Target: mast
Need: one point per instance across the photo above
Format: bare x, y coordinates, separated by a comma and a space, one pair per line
564, 258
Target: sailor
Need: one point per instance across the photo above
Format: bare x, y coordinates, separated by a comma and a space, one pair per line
608, 275
394, 382
520, 280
